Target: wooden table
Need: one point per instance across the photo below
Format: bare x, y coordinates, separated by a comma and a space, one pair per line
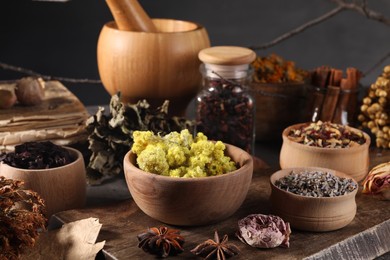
366, 237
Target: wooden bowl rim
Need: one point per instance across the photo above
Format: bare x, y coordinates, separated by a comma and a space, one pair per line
297, 196
73, 151
111, 25
247, 166
286, 139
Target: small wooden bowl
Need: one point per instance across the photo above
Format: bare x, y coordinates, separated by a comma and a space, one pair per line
353, 161
190, 201
62, 188
310, 213
153, 66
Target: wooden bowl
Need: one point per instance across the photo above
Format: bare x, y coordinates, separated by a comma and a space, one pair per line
62, 188
153, 66
353, 161
310, 213
190, 201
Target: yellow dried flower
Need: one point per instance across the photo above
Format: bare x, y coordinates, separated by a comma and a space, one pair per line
181, 155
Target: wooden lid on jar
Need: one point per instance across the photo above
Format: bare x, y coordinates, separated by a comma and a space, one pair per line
227, 55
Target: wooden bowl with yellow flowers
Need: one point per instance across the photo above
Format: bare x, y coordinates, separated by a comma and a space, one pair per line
190, 194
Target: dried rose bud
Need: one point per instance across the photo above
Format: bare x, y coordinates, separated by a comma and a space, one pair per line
7, 98
30, 91
264, 231
377, 182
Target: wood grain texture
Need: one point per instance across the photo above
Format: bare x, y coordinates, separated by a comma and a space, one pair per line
366, 237
62, 188
353, 161
310, 213
160, 66
190, 201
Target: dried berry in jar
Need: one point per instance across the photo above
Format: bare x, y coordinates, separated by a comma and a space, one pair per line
37, 155
225, 109
226, 114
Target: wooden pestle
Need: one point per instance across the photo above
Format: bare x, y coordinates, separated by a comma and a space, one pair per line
130, 16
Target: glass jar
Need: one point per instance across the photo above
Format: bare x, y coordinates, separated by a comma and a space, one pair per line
225, 110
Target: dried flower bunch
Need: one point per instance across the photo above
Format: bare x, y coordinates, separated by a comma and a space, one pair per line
377, 182
180, 155
216, 249
264, 231
21, 218
374, 112
316, 184
37, 155
327, 135
274, 69
161, 241
110, 136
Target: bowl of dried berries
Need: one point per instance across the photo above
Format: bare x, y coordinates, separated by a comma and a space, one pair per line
183, 180
313, 198
328, 145
55, 172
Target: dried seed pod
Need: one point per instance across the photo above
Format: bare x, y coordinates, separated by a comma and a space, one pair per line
7, 98
30, 91
373, 111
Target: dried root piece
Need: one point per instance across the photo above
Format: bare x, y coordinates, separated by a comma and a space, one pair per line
21, 218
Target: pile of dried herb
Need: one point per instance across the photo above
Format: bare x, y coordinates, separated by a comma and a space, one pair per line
37, 155
21, 218
110, 136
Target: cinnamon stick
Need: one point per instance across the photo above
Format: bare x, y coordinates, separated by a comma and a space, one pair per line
332, 95
346, 107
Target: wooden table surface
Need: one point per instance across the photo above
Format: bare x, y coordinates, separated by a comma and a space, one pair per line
366, 237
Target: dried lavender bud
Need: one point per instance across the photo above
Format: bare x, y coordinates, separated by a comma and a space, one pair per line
37, 155
264, 231
316, 184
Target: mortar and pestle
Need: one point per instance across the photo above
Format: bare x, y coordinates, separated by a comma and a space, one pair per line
152, 59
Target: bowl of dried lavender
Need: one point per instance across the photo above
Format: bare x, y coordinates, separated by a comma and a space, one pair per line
313, 198
328, 145
55, 172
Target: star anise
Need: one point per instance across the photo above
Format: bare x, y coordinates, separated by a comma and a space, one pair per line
161, 241
216, 249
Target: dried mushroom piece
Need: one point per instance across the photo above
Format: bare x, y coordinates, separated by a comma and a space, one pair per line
264, 231
327, 135
216, 249
377, 182
21, 218
110, 136
161, 241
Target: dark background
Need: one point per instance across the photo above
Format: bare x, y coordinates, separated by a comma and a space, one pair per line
59, 39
